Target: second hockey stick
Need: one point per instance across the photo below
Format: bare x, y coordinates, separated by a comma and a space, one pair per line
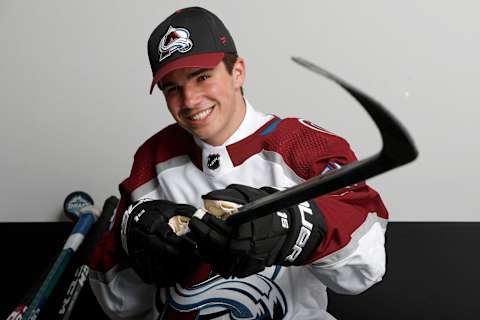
88, 216
74, 201
83, 255
398, 149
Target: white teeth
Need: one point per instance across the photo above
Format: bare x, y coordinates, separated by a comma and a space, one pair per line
201, 115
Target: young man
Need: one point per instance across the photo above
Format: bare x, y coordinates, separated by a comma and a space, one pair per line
220, 154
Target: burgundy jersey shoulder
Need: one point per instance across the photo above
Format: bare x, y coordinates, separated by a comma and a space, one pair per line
306, 147
168, 143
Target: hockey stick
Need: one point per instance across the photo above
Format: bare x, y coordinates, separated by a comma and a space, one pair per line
72, 203
87, 217
398, 149
82, 258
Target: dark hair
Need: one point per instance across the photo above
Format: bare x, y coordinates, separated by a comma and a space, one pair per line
229, 60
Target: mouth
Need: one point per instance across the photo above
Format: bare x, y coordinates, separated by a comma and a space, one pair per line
199, 116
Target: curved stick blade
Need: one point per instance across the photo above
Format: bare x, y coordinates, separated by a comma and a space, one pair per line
398, 149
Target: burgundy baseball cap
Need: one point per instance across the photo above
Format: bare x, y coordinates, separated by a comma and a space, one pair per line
189, 38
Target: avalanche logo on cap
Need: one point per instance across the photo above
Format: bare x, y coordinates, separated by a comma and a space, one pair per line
176, 39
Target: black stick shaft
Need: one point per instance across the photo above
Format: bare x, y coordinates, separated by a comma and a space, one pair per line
398, 149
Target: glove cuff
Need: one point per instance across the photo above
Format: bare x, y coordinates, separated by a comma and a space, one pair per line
307, 220
126, 222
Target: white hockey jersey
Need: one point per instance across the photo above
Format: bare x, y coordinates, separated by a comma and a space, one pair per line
264, 151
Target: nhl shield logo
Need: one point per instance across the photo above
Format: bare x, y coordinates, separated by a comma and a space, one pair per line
175, 39
213, 161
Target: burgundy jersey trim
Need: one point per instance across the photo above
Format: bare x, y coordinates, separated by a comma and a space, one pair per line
171, 142
302, 149
251, 145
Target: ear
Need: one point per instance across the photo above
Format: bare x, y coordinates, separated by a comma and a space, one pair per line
238, 73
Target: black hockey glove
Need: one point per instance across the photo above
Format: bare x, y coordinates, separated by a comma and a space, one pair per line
287, 237
155, 252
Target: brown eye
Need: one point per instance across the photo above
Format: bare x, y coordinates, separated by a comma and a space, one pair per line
203, 77
170, 90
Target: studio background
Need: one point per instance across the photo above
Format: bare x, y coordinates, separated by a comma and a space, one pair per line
75, 106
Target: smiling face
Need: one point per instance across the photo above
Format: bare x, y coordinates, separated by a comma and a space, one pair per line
206, 102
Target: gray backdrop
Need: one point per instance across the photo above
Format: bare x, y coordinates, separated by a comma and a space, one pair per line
74, 77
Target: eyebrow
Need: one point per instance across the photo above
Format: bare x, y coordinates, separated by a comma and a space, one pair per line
189, 76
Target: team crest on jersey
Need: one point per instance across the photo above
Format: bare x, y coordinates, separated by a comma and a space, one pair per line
175, 39
257, 297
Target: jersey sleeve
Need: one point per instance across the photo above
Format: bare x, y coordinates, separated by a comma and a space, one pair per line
118, 289
351, 257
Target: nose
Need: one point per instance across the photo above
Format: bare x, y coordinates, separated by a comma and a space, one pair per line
191, 96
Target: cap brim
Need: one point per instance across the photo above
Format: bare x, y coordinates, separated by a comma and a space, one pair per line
204, 60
